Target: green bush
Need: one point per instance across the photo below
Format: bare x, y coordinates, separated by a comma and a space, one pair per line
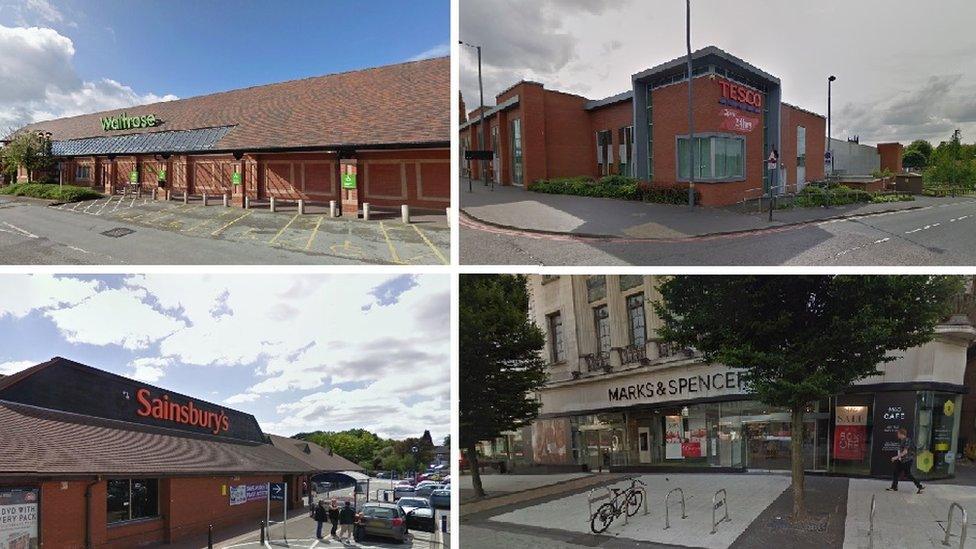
817, 195
896, 197
617, 180
50, 191
615, 186
660, 193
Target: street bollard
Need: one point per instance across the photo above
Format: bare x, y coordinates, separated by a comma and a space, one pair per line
210, 537
443, 524
365, 211
154, 195
272, 204
247, 202
405, 213
332, 208
204, 199
186, 197
225, 200
262, 532
447, 215
301, 207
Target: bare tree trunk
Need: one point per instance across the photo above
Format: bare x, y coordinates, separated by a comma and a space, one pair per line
472, 454
796, 451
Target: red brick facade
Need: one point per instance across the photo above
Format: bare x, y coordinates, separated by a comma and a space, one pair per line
891, 155
187, 507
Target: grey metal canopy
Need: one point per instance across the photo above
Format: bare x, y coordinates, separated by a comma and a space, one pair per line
143, 143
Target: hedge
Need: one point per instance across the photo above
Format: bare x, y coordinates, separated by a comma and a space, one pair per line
615, 186
51, 191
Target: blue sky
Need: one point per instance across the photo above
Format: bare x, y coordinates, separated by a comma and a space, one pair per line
64, 51
300, 352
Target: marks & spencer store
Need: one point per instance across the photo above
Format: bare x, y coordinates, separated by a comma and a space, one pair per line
92, 459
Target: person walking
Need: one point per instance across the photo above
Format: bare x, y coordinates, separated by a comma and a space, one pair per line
320, 515
334, 515
347, 517
903, 462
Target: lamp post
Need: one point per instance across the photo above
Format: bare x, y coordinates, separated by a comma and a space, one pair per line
691, 114
481, 113
830, 81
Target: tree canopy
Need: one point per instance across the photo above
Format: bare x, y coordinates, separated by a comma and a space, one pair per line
373, 452
27, 149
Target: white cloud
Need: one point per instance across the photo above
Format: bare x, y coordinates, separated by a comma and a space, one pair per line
439, 50
115, 317
40, 82
241, 397
42, 292
14, 366
150, 369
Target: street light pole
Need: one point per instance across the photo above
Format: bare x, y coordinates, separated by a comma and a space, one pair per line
481, 115
830, 81
691, 115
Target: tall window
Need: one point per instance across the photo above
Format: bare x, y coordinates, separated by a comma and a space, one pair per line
650, 134
596, 288
626, 144
132, 499
601, 320
516, 151
495, 164
801, 147
604, 152
557, 354
82, 173
635, 315
715, 158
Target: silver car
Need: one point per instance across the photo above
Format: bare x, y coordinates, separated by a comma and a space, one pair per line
381, 519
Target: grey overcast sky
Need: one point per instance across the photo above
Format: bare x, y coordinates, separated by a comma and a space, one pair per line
905, 69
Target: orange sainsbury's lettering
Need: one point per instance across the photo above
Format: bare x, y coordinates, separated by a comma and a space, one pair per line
185, 414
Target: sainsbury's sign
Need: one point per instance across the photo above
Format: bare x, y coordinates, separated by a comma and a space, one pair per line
185, 414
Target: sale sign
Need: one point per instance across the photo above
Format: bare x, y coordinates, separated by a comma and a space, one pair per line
735, 121
18, 518
850, 433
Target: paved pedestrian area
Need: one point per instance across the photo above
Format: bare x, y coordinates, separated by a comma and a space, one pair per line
748, 496
905, 519
426, 241
505, 484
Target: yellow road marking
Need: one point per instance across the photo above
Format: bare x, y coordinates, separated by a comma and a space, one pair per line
272, 241
204, 222
389, 243
432, 247
351, 251
315, 231
220, 230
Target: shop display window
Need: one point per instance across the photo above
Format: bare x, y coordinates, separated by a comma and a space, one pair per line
132, 499
936, 434
852, 430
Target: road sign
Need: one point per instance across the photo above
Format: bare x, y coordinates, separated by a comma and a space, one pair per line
828, 157
479, 155
277, 491
772, 160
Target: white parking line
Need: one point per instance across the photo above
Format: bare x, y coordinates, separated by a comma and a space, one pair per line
119, 203
99, 212
28, 234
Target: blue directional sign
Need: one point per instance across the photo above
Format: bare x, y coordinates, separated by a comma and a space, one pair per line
277, 492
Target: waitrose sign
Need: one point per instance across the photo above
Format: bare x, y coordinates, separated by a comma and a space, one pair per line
126, 122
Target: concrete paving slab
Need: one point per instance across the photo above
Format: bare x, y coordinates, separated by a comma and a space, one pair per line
905, 519
748, 496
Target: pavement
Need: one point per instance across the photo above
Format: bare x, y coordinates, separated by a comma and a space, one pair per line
934, 231
495, 485
758, 504
120, 230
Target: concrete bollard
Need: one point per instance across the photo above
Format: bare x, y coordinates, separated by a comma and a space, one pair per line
366, 211
225, 200
301, 207
273, 204
154, 195
186, 197
247, 202
447, 215
405, 213
204, 199
332, 208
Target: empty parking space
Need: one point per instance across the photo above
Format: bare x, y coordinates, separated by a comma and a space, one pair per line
382, 241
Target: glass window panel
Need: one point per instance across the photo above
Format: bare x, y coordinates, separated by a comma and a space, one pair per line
635, 314
704, 158
596, 288
602, 320
683, 158
145, 498
719, 146
556, 337
117, 496
630, 281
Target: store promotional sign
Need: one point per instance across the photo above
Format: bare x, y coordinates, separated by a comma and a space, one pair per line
851, 433
244, 493
892, 411
162, 407
18, 518
735, 121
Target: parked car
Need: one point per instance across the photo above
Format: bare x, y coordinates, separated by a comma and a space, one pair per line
381, 519
425, 491
440, 499
383, 474
403, 490
419, 513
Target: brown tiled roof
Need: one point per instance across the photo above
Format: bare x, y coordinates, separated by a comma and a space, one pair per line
319, 459
394, 105
37, 441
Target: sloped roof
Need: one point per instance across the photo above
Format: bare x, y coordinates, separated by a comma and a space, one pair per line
317, 458
141, 143
394, 105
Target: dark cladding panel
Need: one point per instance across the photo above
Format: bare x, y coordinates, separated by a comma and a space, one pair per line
71, 387
891, 412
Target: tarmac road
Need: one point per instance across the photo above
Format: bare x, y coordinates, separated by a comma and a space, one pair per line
940, 235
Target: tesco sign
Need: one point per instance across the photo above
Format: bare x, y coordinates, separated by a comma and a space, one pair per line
741, 94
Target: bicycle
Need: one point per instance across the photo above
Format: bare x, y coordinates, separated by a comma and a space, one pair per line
627, 501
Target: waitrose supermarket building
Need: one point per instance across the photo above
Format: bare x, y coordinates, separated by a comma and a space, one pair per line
379, 135
92, 459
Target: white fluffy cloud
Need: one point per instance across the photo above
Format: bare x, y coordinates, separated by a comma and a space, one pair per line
40, 82
150, 369
42, 292
14, 366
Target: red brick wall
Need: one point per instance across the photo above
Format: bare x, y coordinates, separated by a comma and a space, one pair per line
671, 119
891, 154
420, 178
816, 130
570, 146
308, 176
612, 117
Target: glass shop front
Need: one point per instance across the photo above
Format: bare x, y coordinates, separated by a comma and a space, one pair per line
851, 434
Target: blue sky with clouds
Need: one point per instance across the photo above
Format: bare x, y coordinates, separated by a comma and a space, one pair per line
66, 57
300, 352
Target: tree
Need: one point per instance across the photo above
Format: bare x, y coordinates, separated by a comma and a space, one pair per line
923, 147
799, 339
913, 159
500, 361
356, 445
952, 163
29, 150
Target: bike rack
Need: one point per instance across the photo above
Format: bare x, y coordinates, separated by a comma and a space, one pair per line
871, 524
962, 534
643, 492
667, 521
716, 503
591, 499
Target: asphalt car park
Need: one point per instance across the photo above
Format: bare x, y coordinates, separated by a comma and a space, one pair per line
181, 233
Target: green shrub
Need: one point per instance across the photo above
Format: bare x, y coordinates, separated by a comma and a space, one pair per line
660, 193
617, 180
817, 195
896, 197
615, 186
50, 191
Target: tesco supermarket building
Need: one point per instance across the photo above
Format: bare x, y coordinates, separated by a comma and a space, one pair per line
90, 459
379, 135
739, 119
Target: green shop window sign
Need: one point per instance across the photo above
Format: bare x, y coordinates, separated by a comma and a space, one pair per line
133, 176
161, 175
348, 181
235, 178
